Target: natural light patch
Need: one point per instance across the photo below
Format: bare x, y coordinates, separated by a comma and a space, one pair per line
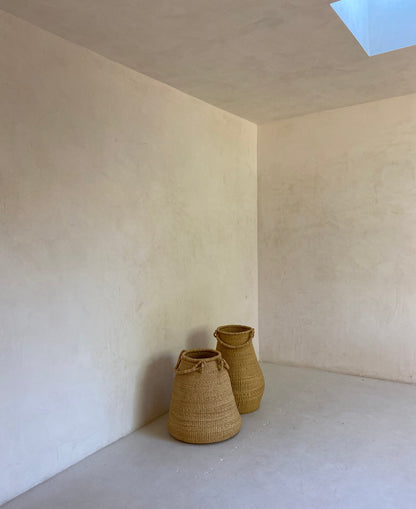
379, 25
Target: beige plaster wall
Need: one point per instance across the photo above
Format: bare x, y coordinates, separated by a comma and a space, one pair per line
337, 240
128, 231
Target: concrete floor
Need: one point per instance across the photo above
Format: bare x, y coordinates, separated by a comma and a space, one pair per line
320, 440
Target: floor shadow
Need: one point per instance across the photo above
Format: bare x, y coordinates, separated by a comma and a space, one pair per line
157, 429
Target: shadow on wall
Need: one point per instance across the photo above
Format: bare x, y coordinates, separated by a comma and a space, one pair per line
200, 338
154, 389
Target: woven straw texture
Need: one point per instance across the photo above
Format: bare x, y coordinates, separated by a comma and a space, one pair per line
202, 408
247, 380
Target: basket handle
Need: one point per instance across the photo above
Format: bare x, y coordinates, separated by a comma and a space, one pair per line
197, 367
234, 347
179, 360
221, 363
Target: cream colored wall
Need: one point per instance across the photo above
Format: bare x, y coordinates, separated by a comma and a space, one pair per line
337, 240
128, 231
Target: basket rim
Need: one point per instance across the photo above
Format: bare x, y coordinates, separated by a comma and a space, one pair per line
217, 355
245, 328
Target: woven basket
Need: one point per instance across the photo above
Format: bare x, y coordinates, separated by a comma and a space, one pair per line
202, 408
247, 380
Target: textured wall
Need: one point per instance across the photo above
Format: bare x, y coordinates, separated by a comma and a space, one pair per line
337, 240
128, 231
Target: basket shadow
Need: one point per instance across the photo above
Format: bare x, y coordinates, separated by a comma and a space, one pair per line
153, 391
200, 338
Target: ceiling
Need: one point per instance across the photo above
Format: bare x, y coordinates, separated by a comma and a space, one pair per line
260, 59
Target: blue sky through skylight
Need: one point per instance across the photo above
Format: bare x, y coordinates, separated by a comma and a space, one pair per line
379, 25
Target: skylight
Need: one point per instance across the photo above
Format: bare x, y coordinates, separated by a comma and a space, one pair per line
379, 25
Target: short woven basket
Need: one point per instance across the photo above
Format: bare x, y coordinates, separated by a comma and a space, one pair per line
247, 380
202, 408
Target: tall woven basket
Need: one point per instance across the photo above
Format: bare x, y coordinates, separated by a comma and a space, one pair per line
202, 408
247, 380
